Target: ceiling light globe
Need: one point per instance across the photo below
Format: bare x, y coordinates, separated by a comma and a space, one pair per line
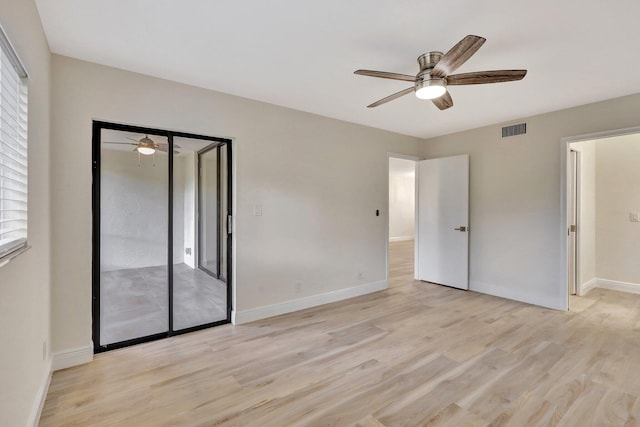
430, 88
147, 151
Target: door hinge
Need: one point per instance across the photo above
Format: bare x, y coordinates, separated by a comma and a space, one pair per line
572, 228
229, 224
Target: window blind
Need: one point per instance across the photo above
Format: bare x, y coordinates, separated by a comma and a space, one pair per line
13, 151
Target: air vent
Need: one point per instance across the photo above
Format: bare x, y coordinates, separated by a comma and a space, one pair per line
513, 130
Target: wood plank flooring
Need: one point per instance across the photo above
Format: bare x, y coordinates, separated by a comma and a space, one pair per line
416, 354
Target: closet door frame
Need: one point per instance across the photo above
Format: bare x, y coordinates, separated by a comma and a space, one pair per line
199, 154
97, 128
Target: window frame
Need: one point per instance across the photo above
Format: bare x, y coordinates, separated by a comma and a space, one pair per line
14, 159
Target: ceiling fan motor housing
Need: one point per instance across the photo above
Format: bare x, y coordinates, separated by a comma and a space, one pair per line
427, 61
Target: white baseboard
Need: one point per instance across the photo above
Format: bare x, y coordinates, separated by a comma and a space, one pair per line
401, 238
633, 288
74, 357
245, 316
41, 396
588, 285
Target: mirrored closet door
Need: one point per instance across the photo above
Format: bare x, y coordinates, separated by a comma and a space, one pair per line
161, 207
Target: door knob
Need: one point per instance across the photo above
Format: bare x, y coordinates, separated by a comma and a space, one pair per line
461, 229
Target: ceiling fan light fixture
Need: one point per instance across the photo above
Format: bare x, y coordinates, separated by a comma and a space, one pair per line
147, 151
146, 146
430, 88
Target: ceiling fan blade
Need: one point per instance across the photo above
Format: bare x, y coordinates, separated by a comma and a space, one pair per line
443, 102
457, 55
392, 97
482, 77
385, 75
124, 143
133, 139
165, 145
165, 149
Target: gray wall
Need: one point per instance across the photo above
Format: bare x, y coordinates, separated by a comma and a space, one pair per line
133, 212
25, 282
517, 238
318, 180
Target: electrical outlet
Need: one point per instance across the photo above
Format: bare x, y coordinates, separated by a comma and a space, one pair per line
298, 287
187, 251
360, 275
634, 217
257, 209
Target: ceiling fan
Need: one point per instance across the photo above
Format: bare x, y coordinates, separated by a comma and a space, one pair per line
435, 74
147, 146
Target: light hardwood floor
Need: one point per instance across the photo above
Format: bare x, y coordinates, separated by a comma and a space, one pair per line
414, 355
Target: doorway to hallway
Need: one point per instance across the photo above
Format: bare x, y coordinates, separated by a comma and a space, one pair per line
603, 216
401, 216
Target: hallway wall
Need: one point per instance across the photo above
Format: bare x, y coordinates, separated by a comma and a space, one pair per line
402, 192
617, 197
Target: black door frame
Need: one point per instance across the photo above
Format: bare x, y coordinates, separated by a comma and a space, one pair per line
215, 146
95, 287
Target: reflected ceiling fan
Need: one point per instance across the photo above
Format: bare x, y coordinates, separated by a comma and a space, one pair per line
435, 74
147, 146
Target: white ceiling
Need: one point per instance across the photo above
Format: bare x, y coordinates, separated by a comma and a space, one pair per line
302, 54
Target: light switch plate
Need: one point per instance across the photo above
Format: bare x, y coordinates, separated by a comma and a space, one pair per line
257, 209
634, 217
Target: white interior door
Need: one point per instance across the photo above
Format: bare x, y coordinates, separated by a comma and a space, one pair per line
442, 250
573, 221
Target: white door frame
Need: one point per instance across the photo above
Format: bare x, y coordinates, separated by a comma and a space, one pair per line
573, 218
565, 170
415, 231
